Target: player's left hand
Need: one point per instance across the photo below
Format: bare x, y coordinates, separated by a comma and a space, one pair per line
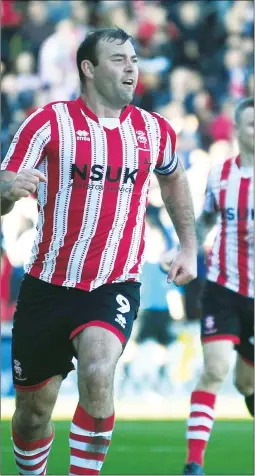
166, 259
182, 267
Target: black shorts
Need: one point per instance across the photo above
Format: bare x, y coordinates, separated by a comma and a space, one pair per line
228, 315
156, 325
49, 316
192, 299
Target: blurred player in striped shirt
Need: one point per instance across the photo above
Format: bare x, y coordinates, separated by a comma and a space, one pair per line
90, 162
228, 297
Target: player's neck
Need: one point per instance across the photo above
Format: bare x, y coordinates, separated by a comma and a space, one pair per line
246, 158
96, 104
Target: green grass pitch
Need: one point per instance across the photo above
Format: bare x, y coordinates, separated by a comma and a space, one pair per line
152, 447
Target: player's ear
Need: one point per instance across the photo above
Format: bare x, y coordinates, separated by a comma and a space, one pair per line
87, 68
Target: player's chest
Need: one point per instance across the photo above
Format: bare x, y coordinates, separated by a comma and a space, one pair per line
89, 151
235, 200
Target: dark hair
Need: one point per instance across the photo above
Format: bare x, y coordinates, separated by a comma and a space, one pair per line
87, 49
244, 104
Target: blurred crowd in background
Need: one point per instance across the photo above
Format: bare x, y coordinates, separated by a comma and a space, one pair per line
196, 63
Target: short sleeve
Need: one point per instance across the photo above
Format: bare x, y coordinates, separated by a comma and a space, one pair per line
167, 160
210, 204
27, 148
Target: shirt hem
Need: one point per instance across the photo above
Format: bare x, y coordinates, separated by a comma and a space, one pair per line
85, 285
228, 286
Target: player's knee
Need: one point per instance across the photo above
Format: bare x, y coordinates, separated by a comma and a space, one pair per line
32, 417
244, 386
97, 378
34, 411
216, 372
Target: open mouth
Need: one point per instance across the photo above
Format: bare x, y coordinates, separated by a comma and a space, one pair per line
128, 82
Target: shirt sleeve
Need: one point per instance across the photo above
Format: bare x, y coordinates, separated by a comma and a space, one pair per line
167, 160
210, 204
27, 149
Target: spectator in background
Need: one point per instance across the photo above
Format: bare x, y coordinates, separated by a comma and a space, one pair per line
222, 125
57, 67
11, 20
234, 63
28, 81
203, 111
59, 10
80, 16
6, 116
7, 305
36, 27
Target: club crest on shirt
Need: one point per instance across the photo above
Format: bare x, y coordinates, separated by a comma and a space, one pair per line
141, 138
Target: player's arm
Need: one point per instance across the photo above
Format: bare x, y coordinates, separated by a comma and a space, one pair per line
19, 176
177, 198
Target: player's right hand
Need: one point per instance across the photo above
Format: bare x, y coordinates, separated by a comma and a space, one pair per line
25, 183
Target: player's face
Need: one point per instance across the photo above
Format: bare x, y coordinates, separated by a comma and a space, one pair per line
245, 129
116, 75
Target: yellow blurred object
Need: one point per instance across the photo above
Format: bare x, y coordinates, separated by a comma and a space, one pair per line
190, 351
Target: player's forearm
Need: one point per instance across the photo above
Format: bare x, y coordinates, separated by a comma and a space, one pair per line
178, 202
7, 203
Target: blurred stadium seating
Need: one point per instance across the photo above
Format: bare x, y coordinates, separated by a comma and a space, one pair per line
196, 62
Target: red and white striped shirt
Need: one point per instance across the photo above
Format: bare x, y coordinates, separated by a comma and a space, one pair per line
92, 209
230, 193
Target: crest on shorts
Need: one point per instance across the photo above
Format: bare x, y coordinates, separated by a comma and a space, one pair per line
17, 368
209, 322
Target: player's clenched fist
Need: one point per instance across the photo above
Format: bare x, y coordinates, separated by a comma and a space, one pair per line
25, 183
181, 266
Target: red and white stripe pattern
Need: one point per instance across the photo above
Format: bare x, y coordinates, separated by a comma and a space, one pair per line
123, 203
31, 456
92, 209
200, 424
89, 442
42, 200
67, 147
89, 220
232, 255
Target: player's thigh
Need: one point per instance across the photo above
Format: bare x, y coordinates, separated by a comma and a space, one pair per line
98, 351
112, 307
217, 357
40, 401
101, 333
40, 343
220, 320
244, 376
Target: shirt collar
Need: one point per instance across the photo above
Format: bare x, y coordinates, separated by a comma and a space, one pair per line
94, 117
